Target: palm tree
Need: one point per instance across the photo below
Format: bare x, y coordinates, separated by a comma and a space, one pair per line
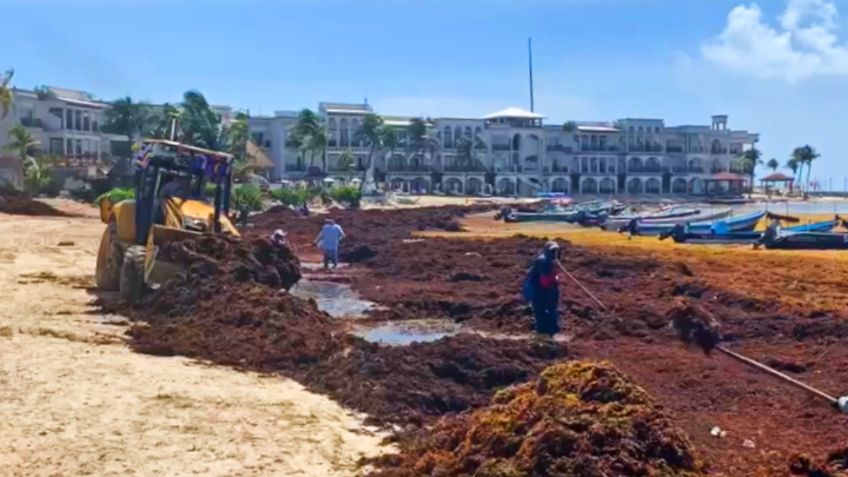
22, 143
465, 154
318, 144
6, 93
345, 163
773, 164
199, 125
239, 134
569, 126
805, 155
372, 131
296, 142
128, 118
748, 162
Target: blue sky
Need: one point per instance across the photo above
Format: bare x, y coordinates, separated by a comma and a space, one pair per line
778, 67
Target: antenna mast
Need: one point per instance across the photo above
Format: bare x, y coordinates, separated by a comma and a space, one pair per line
530, 58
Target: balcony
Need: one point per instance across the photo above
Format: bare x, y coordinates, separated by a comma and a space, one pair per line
607, 148
32, 123
500, 147
718, 150
559, 169
636, 148
558, 148
674, 149
410, 168
464, 168
696, 170
645, 170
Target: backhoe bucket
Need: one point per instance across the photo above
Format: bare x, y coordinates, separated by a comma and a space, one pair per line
158, 271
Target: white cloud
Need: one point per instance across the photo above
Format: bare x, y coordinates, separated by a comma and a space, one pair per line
803, 44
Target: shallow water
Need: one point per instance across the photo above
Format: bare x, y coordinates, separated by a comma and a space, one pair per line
401, 333
335, 299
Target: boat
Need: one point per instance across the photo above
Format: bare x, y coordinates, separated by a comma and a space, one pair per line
701, 221
551, 213
680, 235
742, 223
806, 240
662, 214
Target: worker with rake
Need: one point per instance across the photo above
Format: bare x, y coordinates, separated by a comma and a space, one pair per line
541, 289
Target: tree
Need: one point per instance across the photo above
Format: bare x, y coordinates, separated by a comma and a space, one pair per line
294, 141
372, 132
748, 162
22, 143
39, 174
318, 145
773, 164
6, 93
569, 126
128, 118
345, 163
199, 125
465, 154
804, 156
308, 136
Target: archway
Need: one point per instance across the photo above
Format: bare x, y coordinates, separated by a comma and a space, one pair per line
652, 186
516, 142
473, 186
398, 184
420, 185
652, 164
678, 186
634, 185
506, 187
589, 186
607, 186
696, 186
453, 186
634, 164
560, 184
695, 165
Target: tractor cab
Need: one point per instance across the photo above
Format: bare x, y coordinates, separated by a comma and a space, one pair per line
180, 191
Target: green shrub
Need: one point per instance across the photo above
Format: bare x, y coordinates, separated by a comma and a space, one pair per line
247, 198
292, 196
117, 194
349, 195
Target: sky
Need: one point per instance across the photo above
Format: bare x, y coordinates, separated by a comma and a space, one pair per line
777, 67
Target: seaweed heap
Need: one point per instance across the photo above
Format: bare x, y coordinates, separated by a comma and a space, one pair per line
227, 307
694, 324
578, 418
16, 202
836, 465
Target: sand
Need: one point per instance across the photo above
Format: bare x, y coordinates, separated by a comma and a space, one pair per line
74, 400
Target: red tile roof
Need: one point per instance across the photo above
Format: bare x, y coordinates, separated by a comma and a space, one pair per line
777, 177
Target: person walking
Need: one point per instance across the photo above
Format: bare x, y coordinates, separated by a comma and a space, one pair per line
541, 289
328, 240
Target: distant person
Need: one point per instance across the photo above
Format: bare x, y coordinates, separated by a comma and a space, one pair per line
541, 289
281, 239
328, 240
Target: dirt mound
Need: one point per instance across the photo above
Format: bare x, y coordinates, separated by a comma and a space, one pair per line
694, 324
18, 203
578, 418
423, 380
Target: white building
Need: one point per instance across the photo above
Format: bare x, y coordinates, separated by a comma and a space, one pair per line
513, 152
65, 122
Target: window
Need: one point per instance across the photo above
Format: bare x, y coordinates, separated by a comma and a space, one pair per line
468, 132
448, 138
69, 144
57, 145
86, 146
69, 121
86, 122
78, 120
78, 144
94, 125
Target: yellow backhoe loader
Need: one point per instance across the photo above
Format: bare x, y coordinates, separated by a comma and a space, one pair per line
171, 184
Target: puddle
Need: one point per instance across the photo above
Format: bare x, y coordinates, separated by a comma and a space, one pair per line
335, 299
400, 333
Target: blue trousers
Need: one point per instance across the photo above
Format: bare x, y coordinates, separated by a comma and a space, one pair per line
331, 255
545, 310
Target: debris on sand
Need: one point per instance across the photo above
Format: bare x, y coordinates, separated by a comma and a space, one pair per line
694, 324
18, 203
836, 465
578, 418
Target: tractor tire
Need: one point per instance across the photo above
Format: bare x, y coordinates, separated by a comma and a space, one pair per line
132, 274
110, 259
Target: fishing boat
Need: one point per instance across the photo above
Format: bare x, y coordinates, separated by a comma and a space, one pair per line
558, 214
702, 221
661, 214
680, 235
806, 240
